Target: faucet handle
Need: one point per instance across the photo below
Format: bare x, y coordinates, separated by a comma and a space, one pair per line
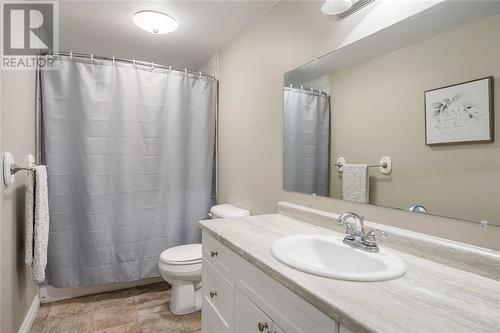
370, 239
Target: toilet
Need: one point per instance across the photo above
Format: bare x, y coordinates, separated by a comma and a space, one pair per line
181, 267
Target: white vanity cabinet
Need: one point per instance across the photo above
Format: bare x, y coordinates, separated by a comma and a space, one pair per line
248, 314
249, 317
344, 329
239, 298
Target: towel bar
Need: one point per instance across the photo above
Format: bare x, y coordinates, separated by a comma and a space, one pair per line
381, 165
10, 168
15, 168
385, 165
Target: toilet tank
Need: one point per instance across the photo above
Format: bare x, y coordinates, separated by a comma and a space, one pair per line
225, 211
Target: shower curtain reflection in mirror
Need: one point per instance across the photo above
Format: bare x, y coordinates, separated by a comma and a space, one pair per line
306, 141
130, 153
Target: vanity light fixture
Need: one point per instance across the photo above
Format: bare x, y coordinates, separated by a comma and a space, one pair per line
155, 22
343, 8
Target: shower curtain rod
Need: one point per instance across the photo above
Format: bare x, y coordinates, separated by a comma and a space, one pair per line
309, 90
134, 62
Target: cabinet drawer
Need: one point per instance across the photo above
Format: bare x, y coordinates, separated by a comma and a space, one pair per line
218, 255
218, 292
212, 322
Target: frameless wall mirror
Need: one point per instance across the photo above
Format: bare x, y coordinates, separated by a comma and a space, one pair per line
404, 118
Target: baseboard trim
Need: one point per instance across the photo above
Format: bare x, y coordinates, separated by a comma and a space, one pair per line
49, 293
30, 316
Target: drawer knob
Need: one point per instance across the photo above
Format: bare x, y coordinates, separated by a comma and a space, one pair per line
213, 254
262, 326
213, 294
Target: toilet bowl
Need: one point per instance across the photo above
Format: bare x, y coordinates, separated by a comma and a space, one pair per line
181, 267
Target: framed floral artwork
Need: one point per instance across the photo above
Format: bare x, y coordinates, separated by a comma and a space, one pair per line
460, 113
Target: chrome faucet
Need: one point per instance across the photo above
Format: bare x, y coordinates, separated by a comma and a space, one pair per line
355, 235
354, 229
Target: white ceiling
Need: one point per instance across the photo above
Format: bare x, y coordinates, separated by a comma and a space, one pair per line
106, 28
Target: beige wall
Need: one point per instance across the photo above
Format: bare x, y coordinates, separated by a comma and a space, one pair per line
251, 108
17, 289
211, 66
378, 109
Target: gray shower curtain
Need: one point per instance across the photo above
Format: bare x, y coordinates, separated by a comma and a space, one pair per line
130, 159
306, 142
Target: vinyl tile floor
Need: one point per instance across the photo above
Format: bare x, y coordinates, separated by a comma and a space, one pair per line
135, 310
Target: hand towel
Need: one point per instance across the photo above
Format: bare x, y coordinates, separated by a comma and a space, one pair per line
29, 219
355, 183
41, 228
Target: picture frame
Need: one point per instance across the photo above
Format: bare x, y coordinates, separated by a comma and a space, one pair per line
460, 113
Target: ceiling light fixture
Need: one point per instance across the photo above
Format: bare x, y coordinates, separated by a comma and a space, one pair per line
336, 7
155, 22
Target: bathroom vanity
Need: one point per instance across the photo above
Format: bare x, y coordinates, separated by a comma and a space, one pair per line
246, 289
238, 297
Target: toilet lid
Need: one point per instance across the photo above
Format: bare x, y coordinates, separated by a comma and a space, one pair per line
184, 254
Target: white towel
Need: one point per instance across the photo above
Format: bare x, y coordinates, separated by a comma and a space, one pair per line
29, 221
355, 183
41, 225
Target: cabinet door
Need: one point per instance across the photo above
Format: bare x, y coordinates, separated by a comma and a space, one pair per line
248, 317
211, 320
344, 329
277, 329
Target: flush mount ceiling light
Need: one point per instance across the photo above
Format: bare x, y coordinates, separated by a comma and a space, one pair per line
343, 8
155, 22
335, 7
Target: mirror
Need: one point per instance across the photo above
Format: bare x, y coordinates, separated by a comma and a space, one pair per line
423, 94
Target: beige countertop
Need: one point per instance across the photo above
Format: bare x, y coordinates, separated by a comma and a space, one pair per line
430, 297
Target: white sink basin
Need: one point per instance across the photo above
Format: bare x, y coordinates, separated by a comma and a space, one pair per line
327, 256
